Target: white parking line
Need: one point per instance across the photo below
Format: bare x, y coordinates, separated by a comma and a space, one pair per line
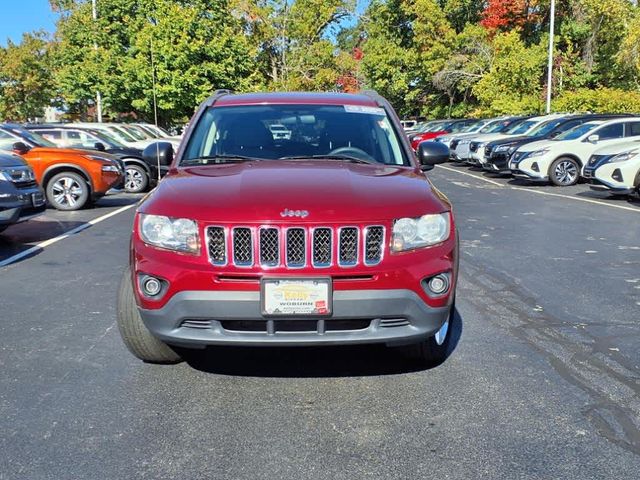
73, 231
531, 190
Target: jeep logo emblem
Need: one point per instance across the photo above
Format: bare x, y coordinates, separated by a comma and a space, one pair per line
294, 213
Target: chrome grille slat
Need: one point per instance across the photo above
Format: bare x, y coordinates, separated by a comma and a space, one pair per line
296, 247
269, 247
374, 245
242, 247
217, 245
348, 251
322, 247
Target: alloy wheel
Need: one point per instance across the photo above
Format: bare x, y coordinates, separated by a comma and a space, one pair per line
566, 172
67, 191
133, 180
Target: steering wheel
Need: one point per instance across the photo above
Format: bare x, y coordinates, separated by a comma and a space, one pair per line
353, 152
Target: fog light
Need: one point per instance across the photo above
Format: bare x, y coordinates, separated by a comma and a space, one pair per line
535, 167
151, 286
617, 175
439, 284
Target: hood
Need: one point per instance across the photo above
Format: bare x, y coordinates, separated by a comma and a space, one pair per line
125, 152
507, 140
539, 145
618, 148
142, 144
488, 137
11, 160
35, 151
330, 191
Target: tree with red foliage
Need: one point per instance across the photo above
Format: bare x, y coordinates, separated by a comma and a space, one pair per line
504, 14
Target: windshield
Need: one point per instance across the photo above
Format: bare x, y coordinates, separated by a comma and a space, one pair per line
134, 132
577, 132
493, 127
34, 138
122, 134
108, 138
150, 133
546, 127
348, 132
521, 127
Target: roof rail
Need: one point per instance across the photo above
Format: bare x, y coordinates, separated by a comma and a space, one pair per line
375, 96
222, 91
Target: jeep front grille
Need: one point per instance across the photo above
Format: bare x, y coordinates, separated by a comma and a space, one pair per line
295, 247
242, 247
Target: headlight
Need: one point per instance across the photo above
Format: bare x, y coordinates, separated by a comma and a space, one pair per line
410, 233
623, 157
17, 174
538, 153
179, 234
110, 168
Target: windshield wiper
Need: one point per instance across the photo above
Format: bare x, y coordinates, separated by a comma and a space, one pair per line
218, 159
347, 158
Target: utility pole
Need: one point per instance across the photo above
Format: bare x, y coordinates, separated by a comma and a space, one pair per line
550, 66
94, 10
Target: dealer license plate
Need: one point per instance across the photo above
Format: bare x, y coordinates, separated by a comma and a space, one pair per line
287, 297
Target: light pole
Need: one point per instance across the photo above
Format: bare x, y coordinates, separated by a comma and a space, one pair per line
153, 22
94, 10
550, 66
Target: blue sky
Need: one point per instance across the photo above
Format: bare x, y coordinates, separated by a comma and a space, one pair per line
19, 16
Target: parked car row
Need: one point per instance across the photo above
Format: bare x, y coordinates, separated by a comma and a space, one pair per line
603, 149
72, 165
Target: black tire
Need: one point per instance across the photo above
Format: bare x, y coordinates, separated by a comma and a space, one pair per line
136, 178
564, 172
429, 353
135, 335
67, 191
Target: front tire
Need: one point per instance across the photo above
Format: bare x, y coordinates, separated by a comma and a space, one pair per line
67, 191
434, 350
136, 179
135, 335
564, 172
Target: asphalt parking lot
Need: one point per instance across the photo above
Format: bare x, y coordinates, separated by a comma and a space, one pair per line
543, 380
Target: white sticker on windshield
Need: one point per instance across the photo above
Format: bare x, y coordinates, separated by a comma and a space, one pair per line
364, 109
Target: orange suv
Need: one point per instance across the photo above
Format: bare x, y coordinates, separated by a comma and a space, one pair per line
70, 178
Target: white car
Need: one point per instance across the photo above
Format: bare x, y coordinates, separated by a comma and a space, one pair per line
280, 132
124, 136
615, 169
480, 127
561, 159
478, 144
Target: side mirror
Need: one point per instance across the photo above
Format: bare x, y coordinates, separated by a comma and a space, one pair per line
431, 154
99, 146
593, 138
20, 148
158, 153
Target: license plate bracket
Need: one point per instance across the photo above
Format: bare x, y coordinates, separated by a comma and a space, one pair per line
296, 297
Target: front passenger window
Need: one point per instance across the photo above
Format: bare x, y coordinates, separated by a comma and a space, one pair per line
633, 129
611, 131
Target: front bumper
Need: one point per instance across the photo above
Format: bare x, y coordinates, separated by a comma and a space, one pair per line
200, 318
20, 205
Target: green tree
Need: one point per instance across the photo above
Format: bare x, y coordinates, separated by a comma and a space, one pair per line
26, 88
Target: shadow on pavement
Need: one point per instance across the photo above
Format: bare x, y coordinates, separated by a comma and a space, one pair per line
310, 362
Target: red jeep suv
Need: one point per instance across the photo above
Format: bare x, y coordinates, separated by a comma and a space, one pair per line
332, 235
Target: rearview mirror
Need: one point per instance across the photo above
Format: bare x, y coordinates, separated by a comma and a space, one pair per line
431, 154
158, 153
593, 138
20, 148
99, 146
